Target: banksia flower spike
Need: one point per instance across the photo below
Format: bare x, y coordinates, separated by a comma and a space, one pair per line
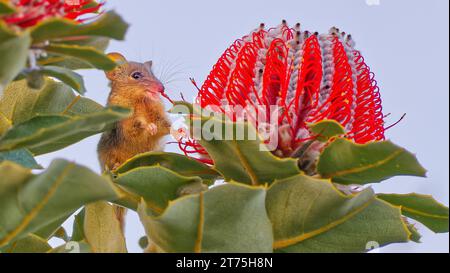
30, 12
307, 76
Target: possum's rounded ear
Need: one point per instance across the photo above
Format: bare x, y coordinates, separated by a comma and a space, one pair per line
119, 59
149, 65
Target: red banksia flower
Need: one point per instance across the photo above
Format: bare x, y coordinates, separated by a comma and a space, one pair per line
308, 76
30, 12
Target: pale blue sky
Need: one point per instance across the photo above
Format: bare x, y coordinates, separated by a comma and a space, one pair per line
405, 42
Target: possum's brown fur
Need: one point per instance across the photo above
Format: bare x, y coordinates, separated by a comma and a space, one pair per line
144, 130
148, 124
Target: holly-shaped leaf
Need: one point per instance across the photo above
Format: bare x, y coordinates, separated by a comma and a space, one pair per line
311, 215
49, 133
51, 118
178, 163
30, 202
157, 185
346, 162
20, 103
226, 218
422, 208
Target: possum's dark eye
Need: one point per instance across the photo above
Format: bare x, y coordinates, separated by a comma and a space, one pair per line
137, 75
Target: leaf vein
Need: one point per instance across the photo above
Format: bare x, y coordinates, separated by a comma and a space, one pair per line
366, 167
34, 211
297, 239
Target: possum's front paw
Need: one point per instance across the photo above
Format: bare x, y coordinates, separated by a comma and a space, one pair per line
152, 129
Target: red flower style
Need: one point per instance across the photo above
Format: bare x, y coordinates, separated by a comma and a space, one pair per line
309, 77
30, 12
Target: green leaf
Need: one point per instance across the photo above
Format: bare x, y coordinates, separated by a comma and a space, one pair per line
227, 218
65, 75
14, 51
247, 160
6, 8
422, 208
48, 231
20, 103
311, 215
49, 133
51, 118
30, 202
88, 54
360, 234
109, 25
22, 157
100, 43
157, 185
180, 164
346, 162
326, 129
30, 244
